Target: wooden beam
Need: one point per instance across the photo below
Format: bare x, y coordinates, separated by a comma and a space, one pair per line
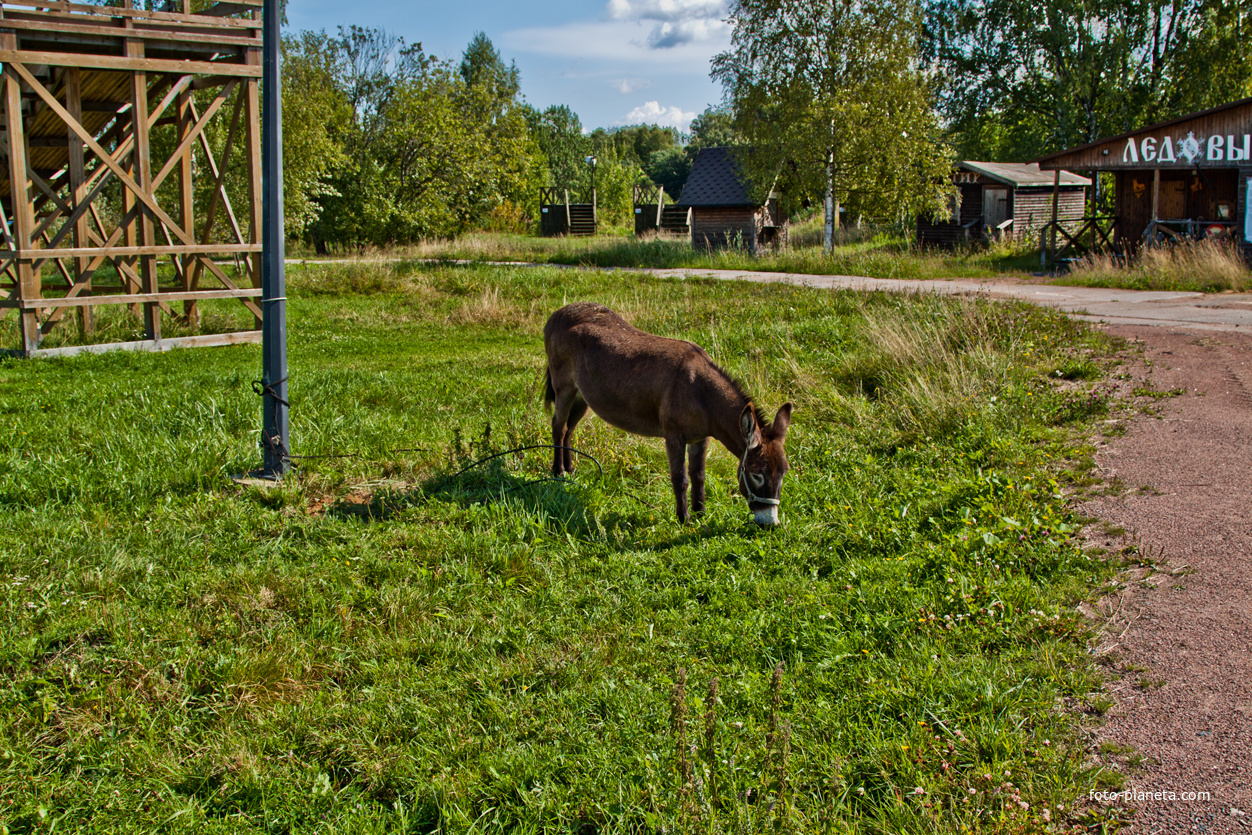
206, 38
28, 279
218, 194
206, 341
130, 298
185, 142
252, 149
147, 199
114, 62
108, 14
137, 251
143, 175
223, 8
187, 201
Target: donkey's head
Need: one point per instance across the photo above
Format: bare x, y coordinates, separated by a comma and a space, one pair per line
764, 463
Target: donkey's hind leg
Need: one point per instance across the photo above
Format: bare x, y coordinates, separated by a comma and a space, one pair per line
566, 412
696, 453
674, 448
576, 413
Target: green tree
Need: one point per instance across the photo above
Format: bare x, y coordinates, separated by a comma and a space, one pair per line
427, 154
315, 116
559, 134
633, 144
483, 71
615, 182
713, 128
491, 98
1021, 78
670, 168
830, 99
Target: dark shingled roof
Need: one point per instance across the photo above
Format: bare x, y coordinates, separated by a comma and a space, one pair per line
715, 180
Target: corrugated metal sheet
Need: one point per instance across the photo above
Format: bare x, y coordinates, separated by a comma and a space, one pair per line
1020, 174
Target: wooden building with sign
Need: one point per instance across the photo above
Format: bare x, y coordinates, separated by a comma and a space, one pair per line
723, 214
1186, 178
994, 200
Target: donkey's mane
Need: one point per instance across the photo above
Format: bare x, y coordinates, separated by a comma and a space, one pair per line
742, 391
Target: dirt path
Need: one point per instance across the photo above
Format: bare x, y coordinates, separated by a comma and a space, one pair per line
1179, 638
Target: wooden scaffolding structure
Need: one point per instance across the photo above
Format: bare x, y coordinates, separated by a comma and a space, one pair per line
86, 91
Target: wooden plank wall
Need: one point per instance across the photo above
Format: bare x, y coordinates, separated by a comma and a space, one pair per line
720, 227
1032, 208
948, 233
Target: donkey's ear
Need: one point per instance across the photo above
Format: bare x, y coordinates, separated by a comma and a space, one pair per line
781, 421
748, 425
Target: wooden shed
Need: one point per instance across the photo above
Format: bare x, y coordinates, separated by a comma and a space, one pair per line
1184, 178
999, 199
723, 214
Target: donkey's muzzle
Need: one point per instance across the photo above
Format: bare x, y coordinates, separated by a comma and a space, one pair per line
767, 517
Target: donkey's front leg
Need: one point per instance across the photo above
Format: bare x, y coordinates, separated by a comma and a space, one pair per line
674, 448
695, 468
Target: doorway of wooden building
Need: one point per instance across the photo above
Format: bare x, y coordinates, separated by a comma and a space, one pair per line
995, 206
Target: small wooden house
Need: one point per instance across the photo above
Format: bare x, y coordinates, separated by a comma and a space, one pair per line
1003, 199
723, 215
1184, 178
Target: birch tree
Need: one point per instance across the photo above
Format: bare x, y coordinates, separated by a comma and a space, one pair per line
830, 99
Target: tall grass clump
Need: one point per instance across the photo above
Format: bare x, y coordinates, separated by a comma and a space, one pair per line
1208, 266
418, 631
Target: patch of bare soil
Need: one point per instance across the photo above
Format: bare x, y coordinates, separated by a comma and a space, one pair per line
1178, 643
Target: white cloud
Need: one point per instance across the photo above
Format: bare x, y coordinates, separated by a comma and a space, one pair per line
669, 35
623, 41
670, 10
626, 86
674, 22
652, 113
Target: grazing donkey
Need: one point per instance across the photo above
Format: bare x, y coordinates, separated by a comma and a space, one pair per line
662, 388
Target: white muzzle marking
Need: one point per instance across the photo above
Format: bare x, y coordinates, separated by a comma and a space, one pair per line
766, 518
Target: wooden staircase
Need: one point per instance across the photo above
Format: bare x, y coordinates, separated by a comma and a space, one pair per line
582, 219
655, 217
558, 215
675, 221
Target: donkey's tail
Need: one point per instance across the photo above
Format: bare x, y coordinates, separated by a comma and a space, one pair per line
549, 393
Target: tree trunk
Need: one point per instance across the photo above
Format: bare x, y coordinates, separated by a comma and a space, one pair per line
832, 206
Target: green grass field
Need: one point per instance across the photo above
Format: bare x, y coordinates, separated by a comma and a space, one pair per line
1203, 266
859, 252
381, 644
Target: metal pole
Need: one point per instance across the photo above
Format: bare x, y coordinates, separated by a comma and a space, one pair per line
274, 419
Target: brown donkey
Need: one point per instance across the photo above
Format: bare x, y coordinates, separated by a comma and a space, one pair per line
662, 388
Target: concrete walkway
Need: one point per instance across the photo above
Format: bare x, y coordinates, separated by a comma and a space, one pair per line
1202, 311
1174, 309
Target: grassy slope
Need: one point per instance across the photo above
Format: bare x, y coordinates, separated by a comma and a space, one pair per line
1203, 266
375, 646
867, 254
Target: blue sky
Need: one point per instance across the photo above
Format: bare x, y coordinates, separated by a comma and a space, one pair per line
614, 62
